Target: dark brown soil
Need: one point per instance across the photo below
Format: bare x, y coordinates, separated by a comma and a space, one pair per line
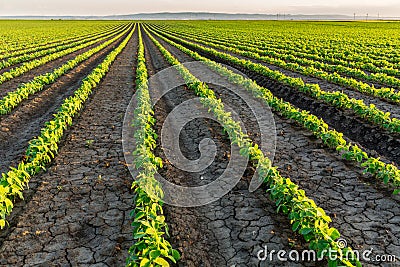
356, 203
50, 45
13, 84
27, 119
228, 231
378, 141
79, 212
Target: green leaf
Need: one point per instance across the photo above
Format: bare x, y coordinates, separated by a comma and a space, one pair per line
151, 231
176, 254
333, 233
139, 235
9, 204
305, 231
161, 262
332, 263
295, 226
154, 254
139, 215
144, 262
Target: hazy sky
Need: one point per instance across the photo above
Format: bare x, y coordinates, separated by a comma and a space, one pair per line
108, 7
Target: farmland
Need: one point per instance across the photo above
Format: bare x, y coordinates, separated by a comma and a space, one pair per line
75, 192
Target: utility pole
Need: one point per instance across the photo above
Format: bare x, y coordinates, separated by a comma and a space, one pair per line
354, 16
367, 16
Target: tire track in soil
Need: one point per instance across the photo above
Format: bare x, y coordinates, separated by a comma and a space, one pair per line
13, 84
26, 121
79, 214
363, 210
379, 142
231, 230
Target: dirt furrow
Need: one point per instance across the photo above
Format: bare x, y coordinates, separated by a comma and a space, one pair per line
378, 141
231, 230
25, 122
363, 210
331, 87
325, 85
79, 214
13, 84
52, 44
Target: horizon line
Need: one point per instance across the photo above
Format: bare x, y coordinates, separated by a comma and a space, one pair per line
199, 12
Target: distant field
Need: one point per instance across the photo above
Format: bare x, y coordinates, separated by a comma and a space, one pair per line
67, 197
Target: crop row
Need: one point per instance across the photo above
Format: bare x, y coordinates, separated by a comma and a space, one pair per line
42, 150
385, 74
150, 229
290, 45
306, 217
362, 63
371, 56
337, 99
290, 59
65, 45
356, 47
55, 43
310, 68
388, 173
18, 35
27, 66
14, 98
